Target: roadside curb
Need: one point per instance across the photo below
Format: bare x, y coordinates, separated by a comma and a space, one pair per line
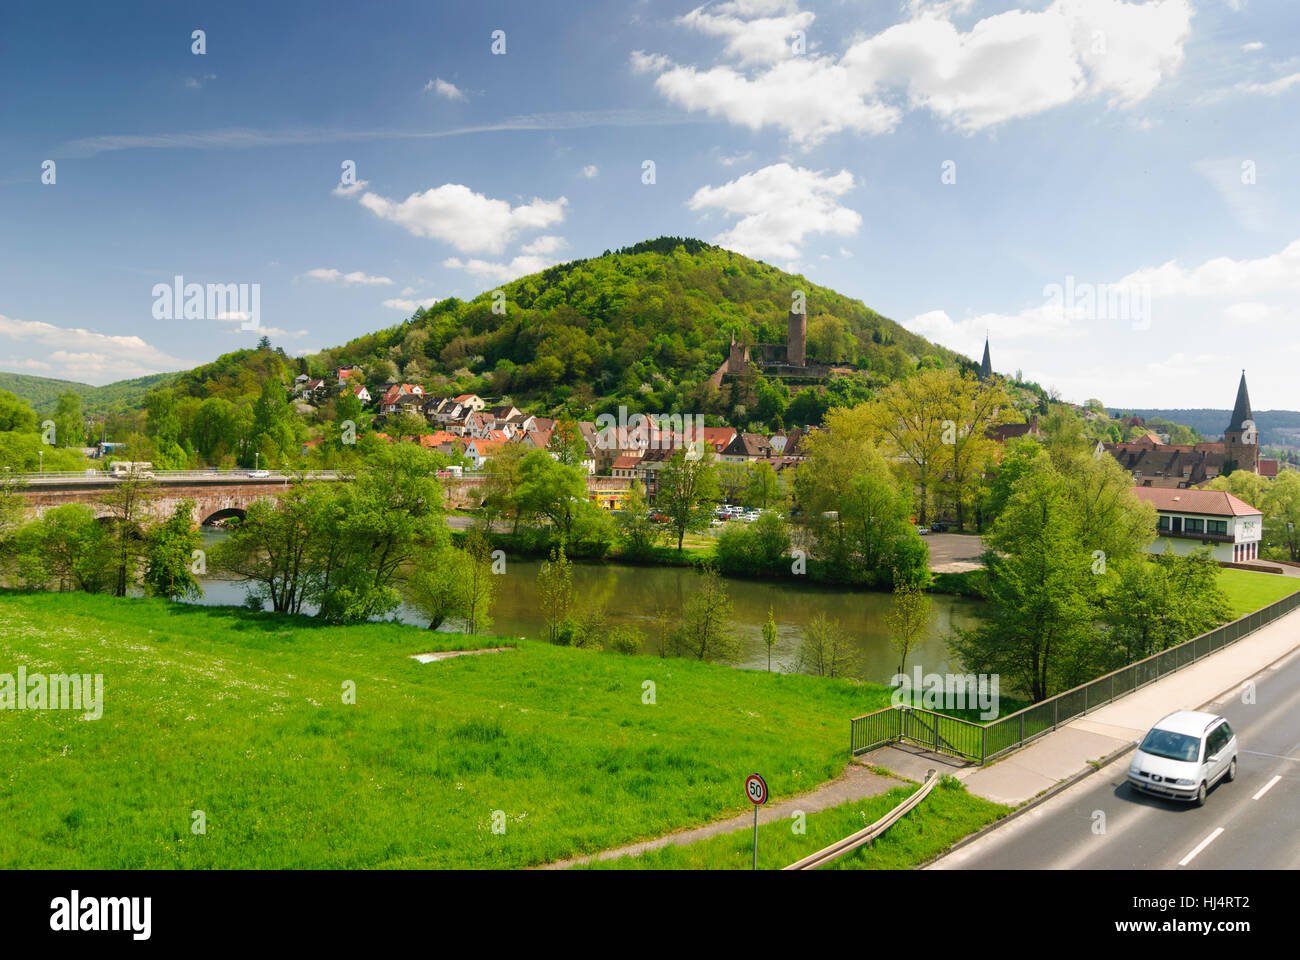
1030, 804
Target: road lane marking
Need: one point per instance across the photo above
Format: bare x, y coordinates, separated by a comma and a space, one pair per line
1201, 846
1266, 788
1275, 756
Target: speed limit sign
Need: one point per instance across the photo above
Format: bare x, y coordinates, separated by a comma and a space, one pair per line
756, 790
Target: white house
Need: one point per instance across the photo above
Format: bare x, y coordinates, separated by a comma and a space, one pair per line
1190, 519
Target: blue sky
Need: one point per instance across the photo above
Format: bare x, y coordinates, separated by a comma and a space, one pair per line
958, 165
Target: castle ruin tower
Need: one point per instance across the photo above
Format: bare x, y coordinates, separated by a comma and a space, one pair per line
1241, 439
797, 341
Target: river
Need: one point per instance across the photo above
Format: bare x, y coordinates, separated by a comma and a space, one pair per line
632, 594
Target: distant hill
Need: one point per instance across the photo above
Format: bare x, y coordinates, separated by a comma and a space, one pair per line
43, 392
1277, 428
644, 326
647, 324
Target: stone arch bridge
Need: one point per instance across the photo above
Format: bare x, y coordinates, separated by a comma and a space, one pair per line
217, 495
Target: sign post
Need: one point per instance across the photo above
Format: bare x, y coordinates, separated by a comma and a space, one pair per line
756, 791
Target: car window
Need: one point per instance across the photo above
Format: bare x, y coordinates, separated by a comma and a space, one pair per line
1172, 746
1227, 731
1217, 741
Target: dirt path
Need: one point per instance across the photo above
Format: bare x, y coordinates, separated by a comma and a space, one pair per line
855, 783
448, 654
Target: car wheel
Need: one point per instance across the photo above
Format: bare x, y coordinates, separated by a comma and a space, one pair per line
1200, 795
1231, 775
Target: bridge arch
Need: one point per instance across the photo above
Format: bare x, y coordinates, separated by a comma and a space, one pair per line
226, 513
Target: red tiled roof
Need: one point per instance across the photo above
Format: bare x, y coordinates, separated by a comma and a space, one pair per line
1267, 467
1214, 503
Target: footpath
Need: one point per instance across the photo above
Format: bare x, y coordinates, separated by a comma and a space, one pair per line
856, 783
1089, 741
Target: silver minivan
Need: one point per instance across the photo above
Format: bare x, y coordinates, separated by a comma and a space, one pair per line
1184, 755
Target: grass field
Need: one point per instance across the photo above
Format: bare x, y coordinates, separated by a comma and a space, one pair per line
944, 817
1248, 591
241, 716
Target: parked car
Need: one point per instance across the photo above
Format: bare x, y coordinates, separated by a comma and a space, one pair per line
1184, 755
259, 474
923, 531
939, 527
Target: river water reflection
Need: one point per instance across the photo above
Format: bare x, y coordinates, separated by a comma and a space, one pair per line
632, 594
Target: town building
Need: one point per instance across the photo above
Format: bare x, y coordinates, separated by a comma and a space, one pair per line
1154, 463
1191, 519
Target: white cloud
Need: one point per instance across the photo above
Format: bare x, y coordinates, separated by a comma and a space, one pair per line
488, 271
643, 62
1253, 312
195, 83
1252, 46
348, 189
763, 39
25, 363
1273, 88
544, 245
356, 276
85, 355
442, 88
469, 221
1221, 314
239, 320
590, 172
1223, 276
779, 205
410, 306
1009, 65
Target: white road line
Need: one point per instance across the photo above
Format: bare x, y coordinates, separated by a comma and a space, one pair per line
1275, 756
1266, 788
1201, 846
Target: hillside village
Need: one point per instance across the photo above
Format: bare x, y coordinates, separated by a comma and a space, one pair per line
472, 430
467, 429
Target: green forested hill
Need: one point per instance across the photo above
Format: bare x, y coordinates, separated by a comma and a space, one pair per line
43, 393
646, 325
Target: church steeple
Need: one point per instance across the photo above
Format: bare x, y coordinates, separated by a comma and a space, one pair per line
986, 365
1241, 439
1241, 410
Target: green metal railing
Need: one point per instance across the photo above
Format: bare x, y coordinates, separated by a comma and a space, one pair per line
984, 742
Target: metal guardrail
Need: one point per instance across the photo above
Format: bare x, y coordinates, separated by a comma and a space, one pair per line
984, 742
866, 834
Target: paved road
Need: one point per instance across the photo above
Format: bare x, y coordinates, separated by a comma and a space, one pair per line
954, 552
1252, 823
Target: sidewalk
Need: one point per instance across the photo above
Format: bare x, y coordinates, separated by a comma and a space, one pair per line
1108, 730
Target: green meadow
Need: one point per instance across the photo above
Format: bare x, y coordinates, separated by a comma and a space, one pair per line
241, 717
1248, 591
